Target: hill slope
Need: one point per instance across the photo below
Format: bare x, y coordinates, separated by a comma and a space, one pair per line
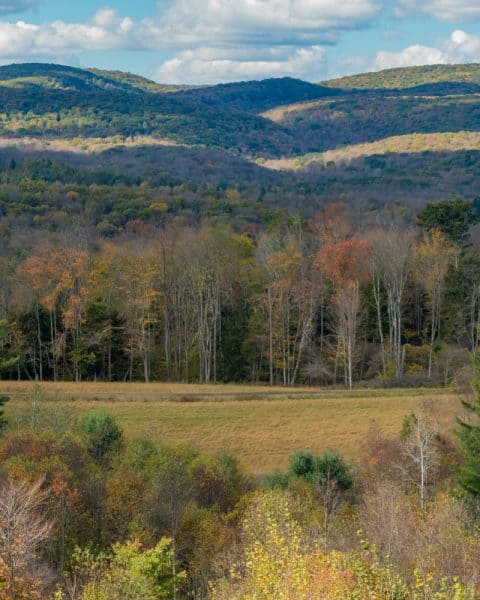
257, 96
55, 101
409, 77
203, 153
52, 76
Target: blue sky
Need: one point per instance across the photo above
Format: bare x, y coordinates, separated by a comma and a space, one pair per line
209, 41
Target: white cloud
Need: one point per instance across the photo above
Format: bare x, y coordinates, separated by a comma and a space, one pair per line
211, 40
461, 47
450, 11
211, 65
260, 22
228, 40
410, 57
105, 31
184, 25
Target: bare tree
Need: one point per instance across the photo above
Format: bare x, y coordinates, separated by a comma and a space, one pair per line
346, 306
387, 519
420, 450
23, 529
289, 302
390, 264
331, 496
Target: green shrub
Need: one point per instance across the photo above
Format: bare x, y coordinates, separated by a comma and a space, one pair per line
101, 433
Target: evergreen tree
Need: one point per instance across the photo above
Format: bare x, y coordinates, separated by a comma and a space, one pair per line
469, 435
101, 433
452, 217
3, 421
7, 360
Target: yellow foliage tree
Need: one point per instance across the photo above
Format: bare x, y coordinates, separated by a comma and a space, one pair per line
278, 563
434, 255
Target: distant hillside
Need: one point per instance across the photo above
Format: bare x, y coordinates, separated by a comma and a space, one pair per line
409, 77
416, 143
51, 76
258, 96
55, 101
136, 81
273, 118
359, 118
202, 153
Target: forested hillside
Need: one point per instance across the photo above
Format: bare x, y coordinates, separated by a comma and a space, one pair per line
238, 200
402, 78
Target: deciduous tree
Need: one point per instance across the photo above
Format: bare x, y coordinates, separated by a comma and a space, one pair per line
346, 265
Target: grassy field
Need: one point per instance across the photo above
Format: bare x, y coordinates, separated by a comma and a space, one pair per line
400, 144
262, 426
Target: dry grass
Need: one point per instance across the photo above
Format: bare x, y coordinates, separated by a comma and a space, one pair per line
263, 430
79, 145
278, 114
147, 391
408, 144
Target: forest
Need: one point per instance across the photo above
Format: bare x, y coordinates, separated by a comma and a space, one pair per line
323, 301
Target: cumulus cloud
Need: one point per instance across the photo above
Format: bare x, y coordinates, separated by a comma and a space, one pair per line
104, 31
450, 11
211, 65
210, 40
461, 47
260, 22
412, 56
227, 40
184, 25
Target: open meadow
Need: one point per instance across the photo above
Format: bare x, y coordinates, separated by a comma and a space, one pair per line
260, 425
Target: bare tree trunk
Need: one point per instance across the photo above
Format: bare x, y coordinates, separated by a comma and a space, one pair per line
146, 353
39, 339
378, 305
52, 346
435, 326
168, 360
270, 334
419, 448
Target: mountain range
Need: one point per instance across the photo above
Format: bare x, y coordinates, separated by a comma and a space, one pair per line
391, 140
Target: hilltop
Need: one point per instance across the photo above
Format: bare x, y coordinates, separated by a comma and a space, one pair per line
408, 77
257, 96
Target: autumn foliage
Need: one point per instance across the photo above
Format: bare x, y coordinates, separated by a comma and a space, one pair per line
345, 261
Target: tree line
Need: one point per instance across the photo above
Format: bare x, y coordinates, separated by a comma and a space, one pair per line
325, 301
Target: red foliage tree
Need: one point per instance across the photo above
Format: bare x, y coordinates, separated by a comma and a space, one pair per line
346, 265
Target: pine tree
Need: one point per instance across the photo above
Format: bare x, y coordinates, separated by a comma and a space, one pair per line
7, 361
3, 421
469, 435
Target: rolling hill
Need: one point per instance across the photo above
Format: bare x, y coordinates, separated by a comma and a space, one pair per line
397, 138
257, 96
411, 77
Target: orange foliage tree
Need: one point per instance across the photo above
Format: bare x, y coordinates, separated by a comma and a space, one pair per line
345, 264
58, 280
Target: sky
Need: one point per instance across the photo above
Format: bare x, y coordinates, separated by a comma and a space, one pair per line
212, 41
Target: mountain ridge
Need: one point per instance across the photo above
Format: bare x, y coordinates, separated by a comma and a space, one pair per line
203, 152
408, 77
